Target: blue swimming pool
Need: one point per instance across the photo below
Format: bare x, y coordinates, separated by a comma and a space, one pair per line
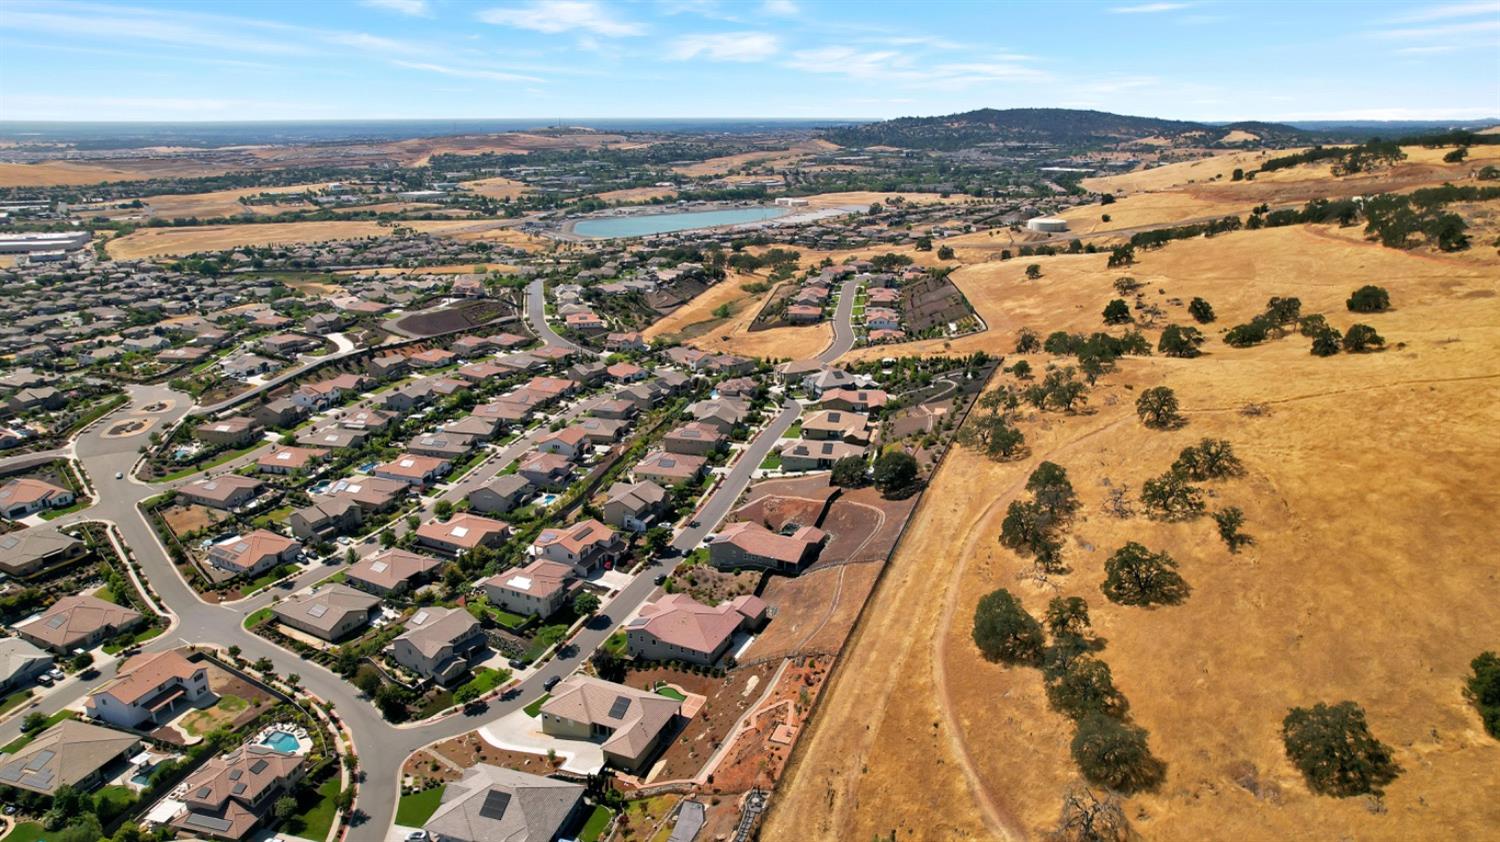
641, 225
281, 741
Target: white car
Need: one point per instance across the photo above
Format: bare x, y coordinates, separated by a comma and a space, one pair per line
417, 836
119, 474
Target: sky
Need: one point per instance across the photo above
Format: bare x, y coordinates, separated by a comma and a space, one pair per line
533, 59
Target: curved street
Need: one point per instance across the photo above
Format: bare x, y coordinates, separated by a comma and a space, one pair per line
381, 746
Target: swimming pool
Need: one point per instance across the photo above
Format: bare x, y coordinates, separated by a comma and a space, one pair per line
639, 225
282, 741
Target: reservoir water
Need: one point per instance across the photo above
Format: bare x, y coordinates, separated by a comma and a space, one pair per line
662, 223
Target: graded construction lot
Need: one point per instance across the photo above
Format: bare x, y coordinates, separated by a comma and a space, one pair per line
1366, 491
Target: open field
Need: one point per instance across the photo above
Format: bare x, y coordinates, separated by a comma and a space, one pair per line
77, 172
768, 158
866, 198
218, 202
1364, 556
498, 188
700, 308
153, 242
632, 195
1173, 176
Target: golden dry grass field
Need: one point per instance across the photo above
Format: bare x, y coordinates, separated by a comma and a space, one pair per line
1368, 492
156, 242
696, 325
78, 172
498, 188
218, 202
768, 157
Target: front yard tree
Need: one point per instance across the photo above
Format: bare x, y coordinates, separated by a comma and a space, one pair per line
1362, 338
1483, 691
849, 472
1117, 312
286, 807
1157, 408
1136, 576
1369, 299
585, 604
1004, 631
1335, 750
895, 470
1112, 754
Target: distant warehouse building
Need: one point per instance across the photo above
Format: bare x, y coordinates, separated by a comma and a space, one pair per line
44, 241
1047, 225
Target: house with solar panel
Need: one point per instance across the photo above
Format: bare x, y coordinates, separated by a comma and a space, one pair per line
491, 802
330, 613
230, 794
628, 724
80, 621
438, 643
150, 691
71, 753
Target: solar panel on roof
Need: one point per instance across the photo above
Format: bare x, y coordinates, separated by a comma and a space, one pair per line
317, 610
203, 792
618, 709
495, 804
236, 774
209, 822
40, 759
238, 789
57, 622
258, 766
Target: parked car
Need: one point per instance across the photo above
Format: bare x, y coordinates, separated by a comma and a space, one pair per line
661, 579
45, 680
551, 682
417, 836
57, 674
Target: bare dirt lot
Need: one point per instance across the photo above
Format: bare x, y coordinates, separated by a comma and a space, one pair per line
1366, 495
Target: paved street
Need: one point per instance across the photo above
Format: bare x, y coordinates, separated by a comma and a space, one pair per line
381, 746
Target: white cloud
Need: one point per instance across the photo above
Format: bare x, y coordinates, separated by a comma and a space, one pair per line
898, 67
780, 8
1445, 31
413, 8
466, 72
1149, 8
1448, 11
555, 16
726, 46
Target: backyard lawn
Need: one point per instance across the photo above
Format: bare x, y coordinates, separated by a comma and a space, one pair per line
315, 810
24, 832
201, 722
414, 809
594, 828
670, 692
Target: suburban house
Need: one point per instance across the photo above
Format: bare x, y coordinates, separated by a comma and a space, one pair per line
679, 628
366, 419
586, 545
625, 342
546, 470
69, 754
414, 469
79, 621
854, 400
386, 366
282, 412
150, 691
748, 544
333, 437
635, 505
229, 795
287, 460
626, 722
373, 494
26, 496
723, 413
616, 409
392, 571
669, 468
837, 425
804, 455
230, 432
438, 643
251, 554
494, 803
462, 532
330, 613
228, 492
696, 438
36, 548
600, 430
326, 518
473, 426
539, 588
569, 442
446, 445
432, 358
501, 494
20, 662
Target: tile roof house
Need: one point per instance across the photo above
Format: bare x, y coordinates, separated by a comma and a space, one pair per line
635, 505
413, 469
493, 803
79, 621
570, 442
373, 494
229, 432
679, 628
853, 400
229, 491
149, 691
748, 544
250, 554
669, 468
28, 551
501, 494
445, 445
229, 795
697, 438
546, 470
628, 723
723, 413
26, 496
366, 419
586, 545
462, 532
333, 437
539, 588
601, 430
804, 455
392, 571
331, 612
71, 753
326, 518
438, 643
836, 424
285, 459
20, 662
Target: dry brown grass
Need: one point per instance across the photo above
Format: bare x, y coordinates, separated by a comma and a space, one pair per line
1368, 497
218, 202
701, 308
864, 198
632, 195
154, 242
70, 172
768, 157
498, 188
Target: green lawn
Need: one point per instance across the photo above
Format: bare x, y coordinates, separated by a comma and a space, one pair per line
315, 810
795, 431
24, 832
535, 708
77, 505
113, 801
594, 828
25, 739
670, 692
226, 456
414, 809
616, 644
772, 462
267, 578
486, 679
545, 637
258, 616
139, 637
14, 700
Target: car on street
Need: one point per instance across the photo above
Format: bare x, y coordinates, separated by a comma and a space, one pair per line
417, 836
119, 474
551, 682
57, 674
45, 680
660, 579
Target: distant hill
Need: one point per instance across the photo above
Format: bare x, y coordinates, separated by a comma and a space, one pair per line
1061, 126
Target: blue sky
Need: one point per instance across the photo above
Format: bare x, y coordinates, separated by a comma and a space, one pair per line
326, 59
